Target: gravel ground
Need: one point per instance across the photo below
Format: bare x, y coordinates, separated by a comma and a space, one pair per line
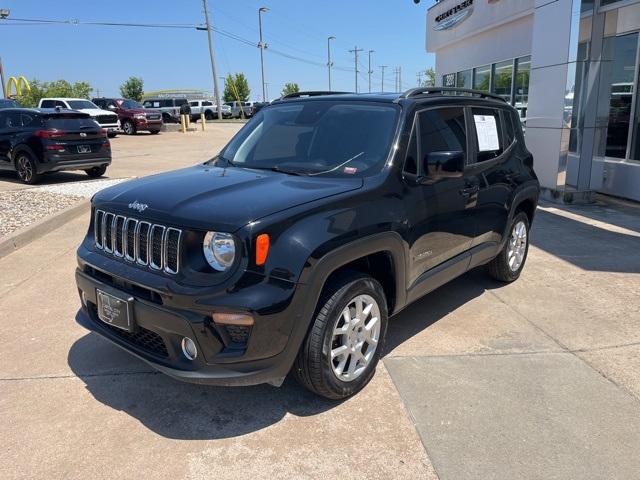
21, 208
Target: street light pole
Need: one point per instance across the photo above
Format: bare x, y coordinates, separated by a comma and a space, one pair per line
370, 71
262, 46
329, 62
383, 67
216, 92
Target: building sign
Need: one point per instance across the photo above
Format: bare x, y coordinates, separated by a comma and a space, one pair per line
454, 15
449, 80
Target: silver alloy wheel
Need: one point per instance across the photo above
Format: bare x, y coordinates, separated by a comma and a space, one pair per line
355, 338
25, 170
517, 246
128, 128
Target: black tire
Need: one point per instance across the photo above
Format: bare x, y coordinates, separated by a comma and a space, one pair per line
96, 172
166, 118
154, 132
26, 168
129, 128
112, 134
500, 267
314, 367
208, 115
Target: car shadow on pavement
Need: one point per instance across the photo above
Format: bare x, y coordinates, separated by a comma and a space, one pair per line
48, 179
589, 247
423, 313
181, 410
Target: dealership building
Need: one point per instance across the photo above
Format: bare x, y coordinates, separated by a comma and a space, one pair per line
571, 69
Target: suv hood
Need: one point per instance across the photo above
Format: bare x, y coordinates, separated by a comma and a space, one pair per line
141, 111
213, 198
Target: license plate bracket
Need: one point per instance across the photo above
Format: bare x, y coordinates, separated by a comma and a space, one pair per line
115, 311
84, 148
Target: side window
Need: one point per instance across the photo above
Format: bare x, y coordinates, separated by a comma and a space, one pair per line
509, 130
442, 130
28, 120
411, 161
13, 120
48, 104
180, 101
488, 133
207, 104
166, 103
61, 104
194, 104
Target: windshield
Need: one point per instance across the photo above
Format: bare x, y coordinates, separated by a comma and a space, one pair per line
332, 138
130, 104
4, 103
80, 104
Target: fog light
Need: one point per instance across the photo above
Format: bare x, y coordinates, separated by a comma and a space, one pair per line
84, 299
232, 319
189, 348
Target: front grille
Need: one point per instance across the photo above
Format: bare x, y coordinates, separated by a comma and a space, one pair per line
152, 245
153, 117
106, 119
143, 338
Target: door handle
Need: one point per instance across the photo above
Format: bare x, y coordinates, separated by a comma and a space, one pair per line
468, 191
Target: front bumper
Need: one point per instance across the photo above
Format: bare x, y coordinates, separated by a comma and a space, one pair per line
163, 319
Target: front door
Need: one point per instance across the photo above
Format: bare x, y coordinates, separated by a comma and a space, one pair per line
440, 210
6, 133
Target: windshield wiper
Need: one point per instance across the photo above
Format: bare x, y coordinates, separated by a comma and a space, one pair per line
285, 171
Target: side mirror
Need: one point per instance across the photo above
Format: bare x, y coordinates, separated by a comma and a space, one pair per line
449, 164
111, 107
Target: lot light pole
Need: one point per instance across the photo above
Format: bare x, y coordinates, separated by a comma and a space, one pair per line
329, 62
216, 92
262, 46
382, 67
370, 71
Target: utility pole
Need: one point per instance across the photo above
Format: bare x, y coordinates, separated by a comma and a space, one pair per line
4, 85
262, 46
383, 67
329, 62
370, 71
395, 79
399, 79
216, 92
355, 52
419, 75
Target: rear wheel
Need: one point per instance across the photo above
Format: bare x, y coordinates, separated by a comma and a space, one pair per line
112, 134
26, 168
96, 172
154, 132
341, 351
128, 127
208, 115
508, 265
166, 118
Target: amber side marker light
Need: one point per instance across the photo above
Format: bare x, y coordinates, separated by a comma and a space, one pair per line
240, 319
262, 248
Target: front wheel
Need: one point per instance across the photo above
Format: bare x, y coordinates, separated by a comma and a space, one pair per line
341, 351
128, 127
508, 265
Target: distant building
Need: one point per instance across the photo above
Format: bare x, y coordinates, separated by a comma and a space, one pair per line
569, 66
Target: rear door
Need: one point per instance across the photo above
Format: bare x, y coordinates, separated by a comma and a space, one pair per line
5, 140
495, 165
440, 212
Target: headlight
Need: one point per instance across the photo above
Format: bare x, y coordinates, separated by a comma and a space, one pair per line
219, 250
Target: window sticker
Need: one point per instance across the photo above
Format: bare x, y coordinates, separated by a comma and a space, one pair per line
487, 131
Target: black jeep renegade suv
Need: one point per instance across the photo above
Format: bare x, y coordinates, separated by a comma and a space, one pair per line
322, 217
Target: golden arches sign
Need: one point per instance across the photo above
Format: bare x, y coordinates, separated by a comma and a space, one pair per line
20, 84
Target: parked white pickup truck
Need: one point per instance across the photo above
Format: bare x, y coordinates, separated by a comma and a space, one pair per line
208, 107
108, 121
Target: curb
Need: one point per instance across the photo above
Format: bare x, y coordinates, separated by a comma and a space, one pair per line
28, 234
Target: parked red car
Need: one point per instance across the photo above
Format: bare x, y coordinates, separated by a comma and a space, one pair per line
133, 116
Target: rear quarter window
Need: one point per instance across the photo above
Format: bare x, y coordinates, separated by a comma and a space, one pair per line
47, 104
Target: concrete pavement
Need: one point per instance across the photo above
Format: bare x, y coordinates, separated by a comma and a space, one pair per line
537, 379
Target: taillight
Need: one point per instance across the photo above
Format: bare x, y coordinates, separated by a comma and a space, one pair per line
106, 144
49, 133
55, 147
102, 132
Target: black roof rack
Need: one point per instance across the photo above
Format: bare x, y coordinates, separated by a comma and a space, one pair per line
414, 92
313, 93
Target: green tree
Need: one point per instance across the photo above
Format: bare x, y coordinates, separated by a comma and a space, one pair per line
132, 88
236, 88
430, 78
57, 88
290, 88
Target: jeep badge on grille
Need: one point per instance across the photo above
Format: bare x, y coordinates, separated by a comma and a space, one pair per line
140, 207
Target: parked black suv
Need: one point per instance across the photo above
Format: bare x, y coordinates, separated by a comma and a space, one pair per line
320, 219
34, 142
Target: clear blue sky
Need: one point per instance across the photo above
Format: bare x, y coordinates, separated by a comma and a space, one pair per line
172, 58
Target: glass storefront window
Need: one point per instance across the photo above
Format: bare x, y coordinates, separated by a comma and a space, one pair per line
523, 72
482, 78
464, 79
617, 83
503, 78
